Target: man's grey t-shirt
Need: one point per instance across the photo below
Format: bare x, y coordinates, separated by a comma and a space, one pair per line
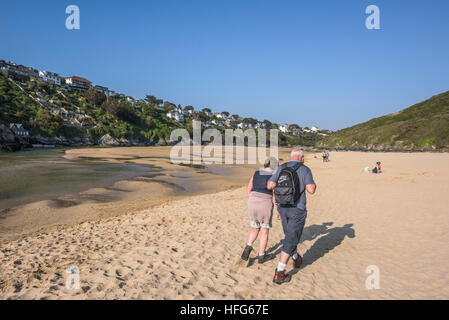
305, 178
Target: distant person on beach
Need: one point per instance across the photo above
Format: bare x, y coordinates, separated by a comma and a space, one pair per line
377, 168
260, 209
325, 156
289, 182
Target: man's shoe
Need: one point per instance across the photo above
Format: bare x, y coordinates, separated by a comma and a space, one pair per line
297, 262
246, 252
280, 277
264, 258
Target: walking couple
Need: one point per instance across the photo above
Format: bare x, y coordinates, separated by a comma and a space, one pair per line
285, 186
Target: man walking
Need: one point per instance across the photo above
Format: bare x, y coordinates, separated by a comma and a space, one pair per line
290, 181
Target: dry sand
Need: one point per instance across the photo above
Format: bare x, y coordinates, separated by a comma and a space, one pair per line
189, 248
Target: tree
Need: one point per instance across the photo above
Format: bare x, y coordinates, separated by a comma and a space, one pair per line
188, 108
148, 122
267, 123
169, 106
128, 114
152, 100
95, 97
225, 113
250, 120
202, 116
110, 105
235, 116
151, 111
206, 110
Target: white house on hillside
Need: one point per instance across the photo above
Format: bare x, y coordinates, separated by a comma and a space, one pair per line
130, 100
314, 129
283, 128
50, 77
177, 116
244, 125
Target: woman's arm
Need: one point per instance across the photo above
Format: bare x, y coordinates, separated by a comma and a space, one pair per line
250, 186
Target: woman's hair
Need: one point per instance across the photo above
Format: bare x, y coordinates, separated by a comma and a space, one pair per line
271, 162
378, 162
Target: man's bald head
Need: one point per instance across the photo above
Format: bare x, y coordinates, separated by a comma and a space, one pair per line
297, 154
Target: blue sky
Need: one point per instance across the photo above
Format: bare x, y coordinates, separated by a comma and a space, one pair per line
304, 62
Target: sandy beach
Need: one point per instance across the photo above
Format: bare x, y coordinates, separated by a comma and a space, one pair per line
162, 240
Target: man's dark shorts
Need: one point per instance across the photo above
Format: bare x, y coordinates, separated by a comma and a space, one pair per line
293, 220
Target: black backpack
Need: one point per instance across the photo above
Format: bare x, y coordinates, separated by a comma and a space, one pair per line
287, 190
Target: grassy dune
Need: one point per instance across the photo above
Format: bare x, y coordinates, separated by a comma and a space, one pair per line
423, 126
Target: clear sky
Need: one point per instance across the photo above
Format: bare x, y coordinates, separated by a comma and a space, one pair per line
305, 62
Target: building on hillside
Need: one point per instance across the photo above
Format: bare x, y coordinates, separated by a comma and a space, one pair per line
294, 130
105, 90
207, 113
244, 125
177, 116
314, 129
18, 130
78, 83
283, 128
230, 123
217, 123
50, 77
130, 100
15, 71
142, 101
260, 125
188, 111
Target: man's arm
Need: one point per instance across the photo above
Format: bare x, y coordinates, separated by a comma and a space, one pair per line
311, 188
309, 182
271, 184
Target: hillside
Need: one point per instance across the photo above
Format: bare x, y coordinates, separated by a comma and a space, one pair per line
60, 115
48, 111
423, 126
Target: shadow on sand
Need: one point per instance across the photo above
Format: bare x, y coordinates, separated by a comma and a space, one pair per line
329, 239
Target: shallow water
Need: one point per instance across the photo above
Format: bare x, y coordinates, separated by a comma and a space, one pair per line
29, 176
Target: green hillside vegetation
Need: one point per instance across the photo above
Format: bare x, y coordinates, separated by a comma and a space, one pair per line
423, 126
104, 115
51, 111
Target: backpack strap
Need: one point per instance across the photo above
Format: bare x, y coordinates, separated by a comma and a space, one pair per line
296, 166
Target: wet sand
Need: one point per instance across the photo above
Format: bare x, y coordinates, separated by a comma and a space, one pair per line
189, 247
162, 181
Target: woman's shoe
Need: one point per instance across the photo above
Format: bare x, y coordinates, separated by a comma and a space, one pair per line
264, 258
246, 252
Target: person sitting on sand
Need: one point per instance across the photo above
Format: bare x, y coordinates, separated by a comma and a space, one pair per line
377, 168
260, 209
293, 216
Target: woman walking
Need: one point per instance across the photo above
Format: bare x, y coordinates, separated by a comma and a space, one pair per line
260, 209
